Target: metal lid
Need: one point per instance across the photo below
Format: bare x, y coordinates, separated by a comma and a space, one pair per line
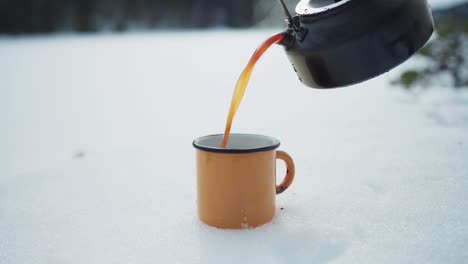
310, 7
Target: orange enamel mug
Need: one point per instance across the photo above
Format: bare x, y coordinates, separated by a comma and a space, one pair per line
237, 184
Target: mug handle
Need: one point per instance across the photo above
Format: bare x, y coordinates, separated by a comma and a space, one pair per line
290, 171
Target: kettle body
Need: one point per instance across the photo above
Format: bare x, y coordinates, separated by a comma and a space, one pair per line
337, 43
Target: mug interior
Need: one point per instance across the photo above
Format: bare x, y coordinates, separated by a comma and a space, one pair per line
238, 143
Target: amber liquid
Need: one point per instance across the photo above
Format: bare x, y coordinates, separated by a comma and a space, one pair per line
244, 80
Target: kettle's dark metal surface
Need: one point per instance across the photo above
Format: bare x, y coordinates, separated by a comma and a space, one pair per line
336, 43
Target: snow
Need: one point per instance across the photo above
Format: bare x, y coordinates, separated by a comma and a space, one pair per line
96, 162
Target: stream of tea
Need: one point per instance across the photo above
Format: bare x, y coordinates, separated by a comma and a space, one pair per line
244, 80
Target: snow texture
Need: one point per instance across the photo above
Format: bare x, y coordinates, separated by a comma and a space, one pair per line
97, 166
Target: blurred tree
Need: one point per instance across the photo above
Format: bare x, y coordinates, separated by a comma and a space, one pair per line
241, 13
50, 12
24, 16
31, 16
85, 13
206, 13
447, 54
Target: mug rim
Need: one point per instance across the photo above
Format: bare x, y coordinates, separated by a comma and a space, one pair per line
275, 143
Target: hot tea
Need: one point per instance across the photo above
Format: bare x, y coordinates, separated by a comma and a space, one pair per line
244, 80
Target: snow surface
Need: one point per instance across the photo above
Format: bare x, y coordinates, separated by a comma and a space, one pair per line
96, 162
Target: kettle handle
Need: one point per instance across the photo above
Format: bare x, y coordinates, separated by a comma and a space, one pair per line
286, 13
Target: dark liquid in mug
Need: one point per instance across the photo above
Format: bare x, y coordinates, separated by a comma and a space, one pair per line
244, 80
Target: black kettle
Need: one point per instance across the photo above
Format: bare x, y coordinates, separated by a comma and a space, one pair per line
336, 43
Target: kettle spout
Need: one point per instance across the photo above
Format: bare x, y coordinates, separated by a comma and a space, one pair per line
292, 36
288, 39
295, 31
